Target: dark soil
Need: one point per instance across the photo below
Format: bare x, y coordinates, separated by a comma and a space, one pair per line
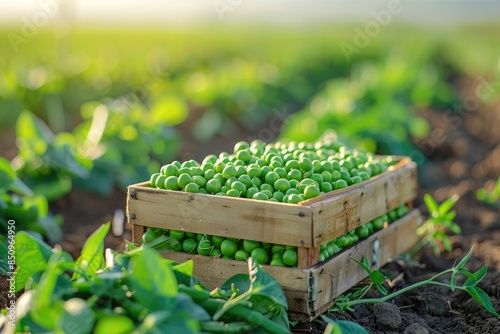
83, 213
4, 291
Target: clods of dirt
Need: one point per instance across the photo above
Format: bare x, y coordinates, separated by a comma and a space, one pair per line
431, 303
387, 316
416, 328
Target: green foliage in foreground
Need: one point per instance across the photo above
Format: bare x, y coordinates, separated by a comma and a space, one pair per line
469, 285
342, 327
138, 292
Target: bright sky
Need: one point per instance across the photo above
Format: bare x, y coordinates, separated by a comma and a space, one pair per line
176, 12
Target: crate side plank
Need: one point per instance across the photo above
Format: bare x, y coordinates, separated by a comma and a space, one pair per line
222, 269
336, 216
403, 162
137, 233
215, 215
337, 276
213, 272
307, 257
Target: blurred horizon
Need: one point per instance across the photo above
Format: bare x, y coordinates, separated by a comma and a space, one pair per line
279, 13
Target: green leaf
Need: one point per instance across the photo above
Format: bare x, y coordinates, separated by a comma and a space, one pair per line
153, 281
263, 283
92, 255
99, 181
5, 268
45, 310
130, 245
483, 299
447, 205
453, 281
446, 243
64, 158
476, 277
32, 256
482, 195
184, 273
20, 187
28, 322
23, 213
184, 302
363, 265
163, 321
40, 203
51, 228
264, 292
33, 135
77, 317
377, 277
7, 174
431, 204
449, 216
455, 228
241, 283
462, 263
344, 326
52, 187
382, 289
267, 294
365, 262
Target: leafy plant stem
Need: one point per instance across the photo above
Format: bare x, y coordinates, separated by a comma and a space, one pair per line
399, 292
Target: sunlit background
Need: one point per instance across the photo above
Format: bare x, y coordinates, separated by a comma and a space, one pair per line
95, 96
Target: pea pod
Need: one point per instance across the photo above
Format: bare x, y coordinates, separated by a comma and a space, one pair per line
247, 314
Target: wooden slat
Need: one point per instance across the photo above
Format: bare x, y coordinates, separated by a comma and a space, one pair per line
336, 215
340, 274
307, 257
271, 222
137, 232
213, 270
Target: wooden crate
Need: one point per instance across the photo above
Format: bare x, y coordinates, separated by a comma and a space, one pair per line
310, 292
306, 225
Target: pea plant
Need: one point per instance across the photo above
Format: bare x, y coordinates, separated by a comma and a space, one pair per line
492, 197
47, 162
116, 144
348, 301
21, 210
434, 230
137, 291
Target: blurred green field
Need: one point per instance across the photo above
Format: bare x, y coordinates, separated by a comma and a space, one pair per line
57, 72
158, 90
